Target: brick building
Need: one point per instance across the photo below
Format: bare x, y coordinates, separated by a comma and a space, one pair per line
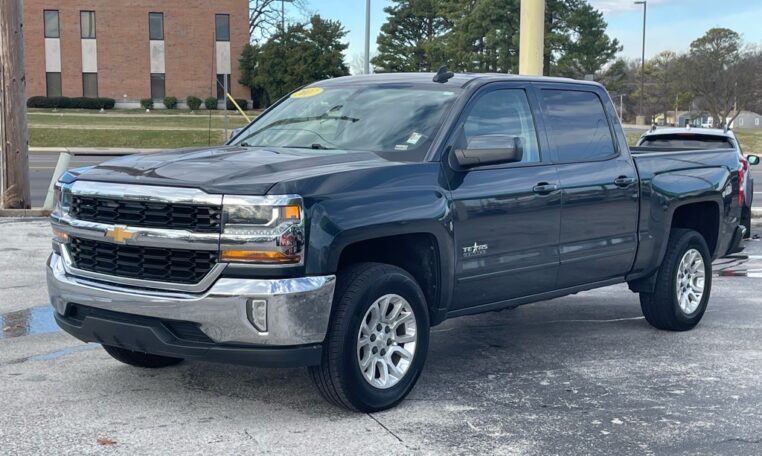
133, 49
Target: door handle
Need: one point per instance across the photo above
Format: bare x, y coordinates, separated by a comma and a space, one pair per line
624, 181
543, 188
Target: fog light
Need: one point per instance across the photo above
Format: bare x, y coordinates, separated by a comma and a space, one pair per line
256, 311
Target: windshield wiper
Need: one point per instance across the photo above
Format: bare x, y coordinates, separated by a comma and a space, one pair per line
295, 120
316, 146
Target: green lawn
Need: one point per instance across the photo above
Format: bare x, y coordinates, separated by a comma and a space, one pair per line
127, 128
160, 139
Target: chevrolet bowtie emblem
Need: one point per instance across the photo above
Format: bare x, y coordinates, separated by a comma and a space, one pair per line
119, 234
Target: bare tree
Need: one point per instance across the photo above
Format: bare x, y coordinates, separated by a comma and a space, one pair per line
723, 74
266, 16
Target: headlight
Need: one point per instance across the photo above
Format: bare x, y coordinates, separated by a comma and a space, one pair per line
62, 198
263, 229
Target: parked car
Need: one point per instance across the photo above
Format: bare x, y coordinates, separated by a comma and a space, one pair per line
358, 212
681, 139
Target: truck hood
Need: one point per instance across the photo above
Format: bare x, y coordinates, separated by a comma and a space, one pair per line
228, 169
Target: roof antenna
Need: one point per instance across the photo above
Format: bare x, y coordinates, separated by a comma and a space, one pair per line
443, 75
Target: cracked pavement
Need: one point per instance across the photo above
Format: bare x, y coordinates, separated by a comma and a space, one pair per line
583, 374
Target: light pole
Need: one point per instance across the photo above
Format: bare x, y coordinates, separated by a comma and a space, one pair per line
367, 36
643, 60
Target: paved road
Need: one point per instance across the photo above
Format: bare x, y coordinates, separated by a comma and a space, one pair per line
42, 166
582, 374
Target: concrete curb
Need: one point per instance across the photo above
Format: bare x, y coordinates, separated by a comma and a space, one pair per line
89, 150
756, 212
24, 213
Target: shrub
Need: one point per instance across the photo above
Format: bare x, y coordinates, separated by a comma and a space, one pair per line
70, 103
170, 102
193, 102
146, 103
210, 103
241, 102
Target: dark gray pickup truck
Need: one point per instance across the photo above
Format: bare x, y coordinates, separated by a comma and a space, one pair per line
356, 213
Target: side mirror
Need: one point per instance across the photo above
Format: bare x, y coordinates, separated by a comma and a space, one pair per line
752, 159
489, 150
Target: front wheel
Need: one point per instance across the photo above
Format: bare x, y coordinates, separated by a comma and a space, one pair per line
683, 284
378, 339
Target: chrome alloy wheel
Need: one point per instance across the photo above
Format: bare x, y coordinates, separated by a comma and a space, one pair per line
386, 341
690, 281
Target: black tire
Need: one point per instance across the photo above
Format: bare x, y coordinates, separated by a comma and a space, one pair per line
661, 307
139, 359
339, 378
746, 221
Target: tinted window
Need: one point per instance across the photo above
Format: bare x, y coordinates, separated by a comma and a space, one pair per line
155, 26
221, 85
498, 115
53, 84
687, 141
222, 27
51, 24
87, 23
90, 85
157, 86
577, 125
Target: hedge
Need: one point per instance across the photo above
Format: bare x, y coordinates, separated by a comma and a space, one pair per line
241, 102
193, 102
70, 103
210, 103
146, 103
170, 102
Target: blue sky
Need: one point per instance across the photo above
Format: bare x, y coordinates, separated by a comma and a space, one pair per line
671, 24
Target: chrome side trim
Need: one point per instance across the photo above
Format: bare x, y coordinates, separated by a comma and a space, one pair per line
199, 287
298, 313
153, 193
141, 236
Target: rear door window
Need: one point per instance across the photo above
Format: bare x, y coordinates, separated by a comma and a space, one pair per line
577, 125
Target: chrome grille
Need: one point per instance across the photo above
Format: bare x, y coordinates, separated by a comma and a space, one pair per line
144, 263
146, 213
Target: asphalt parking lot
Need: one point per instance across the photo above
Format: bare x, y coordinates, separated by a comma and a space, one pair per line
584, 374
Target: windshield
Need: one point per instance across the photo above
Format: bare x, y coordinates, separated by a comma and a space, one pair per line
687, 141
377, 118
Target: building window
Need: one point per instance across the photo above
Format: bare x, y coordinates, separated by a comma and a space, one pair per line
90, 85
756, 121
51, 23
87, 24
221, 85
157, 86
222, 27
53, 84
156, 26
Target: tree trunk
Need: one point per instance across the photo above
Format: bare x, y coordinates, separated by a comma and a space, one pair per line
13, 133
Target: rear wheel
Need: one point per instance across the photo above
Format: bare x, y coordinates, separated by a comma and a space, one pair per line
683, 284
139, 359
376, 346
746, 221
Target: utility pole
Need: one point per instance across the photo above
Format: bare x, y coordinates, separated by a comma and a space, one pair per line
14, 160
367, 36
532, 36
642, 65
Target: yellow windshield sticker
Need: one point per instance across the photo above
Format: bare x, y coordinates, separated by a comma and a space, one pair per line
308, 92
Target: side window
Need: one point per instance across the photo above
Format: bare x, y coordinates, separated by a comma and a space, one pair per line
499, 114
577, 125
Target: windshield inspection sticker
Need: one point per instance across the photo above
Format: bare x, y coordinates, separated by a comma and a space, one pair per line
307, 92
414, 138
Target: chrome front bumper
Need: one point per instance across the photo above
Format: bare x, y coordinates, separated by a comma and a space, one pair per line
298, 309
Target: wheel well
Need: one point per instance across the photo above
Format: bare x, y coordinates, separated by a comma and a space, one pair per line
701, 217
418, 254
